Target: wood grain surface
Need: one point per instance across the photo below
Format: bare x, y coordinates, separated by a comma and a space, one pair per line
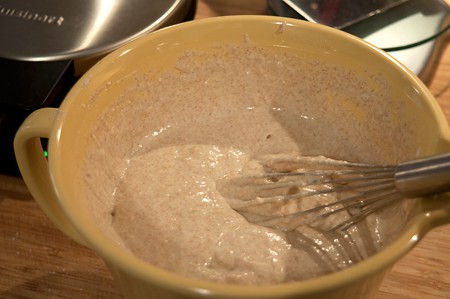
38, 261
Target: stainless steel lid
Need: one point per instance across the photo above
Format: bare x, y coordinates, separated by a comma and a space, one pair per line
48, 30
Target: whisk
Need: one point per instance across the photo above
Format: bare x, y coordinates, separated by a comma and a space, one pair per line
275, 198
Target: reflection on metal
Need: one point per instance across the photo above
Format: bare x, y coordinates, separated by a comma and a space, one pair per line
413, 32
105, 10
342, 13
48, 30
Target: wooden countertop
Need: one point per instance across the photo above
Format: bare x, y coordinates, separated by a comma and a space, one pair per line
38, 261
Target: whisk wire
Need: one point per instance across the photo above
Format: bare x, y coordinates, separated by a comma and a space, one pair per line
359, 189
325, 177
376, 206
366, 203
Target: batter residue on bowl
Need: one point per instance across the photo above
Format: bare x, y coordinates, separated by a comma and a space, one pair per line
210, 116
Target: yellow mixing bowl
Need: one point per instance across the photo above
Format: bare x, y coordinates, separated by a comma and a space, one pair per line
56, 183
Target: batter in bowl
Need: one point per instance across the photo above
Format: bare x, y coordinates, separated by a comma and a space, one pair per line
210, 117
191, 229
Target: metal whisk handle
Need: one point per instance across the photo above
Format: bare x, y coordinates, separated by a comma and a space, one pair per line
424, 176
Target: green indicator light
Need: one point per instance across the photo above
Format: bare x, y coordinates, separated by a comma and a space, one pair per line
45, 154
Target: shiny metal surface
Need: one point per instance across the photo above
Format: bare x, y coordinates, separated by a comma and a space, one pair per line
340, 14
47, 30
413, 32
426, 176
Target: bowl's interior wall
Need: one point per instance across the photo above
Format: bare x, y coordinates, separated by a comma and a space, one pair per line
364, 108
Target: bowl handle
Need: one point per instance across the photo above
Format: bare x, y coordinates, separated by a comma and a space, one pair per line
34, 168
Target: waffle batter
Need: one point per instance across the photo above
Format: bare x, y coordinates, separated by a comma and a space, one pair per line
208, 118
